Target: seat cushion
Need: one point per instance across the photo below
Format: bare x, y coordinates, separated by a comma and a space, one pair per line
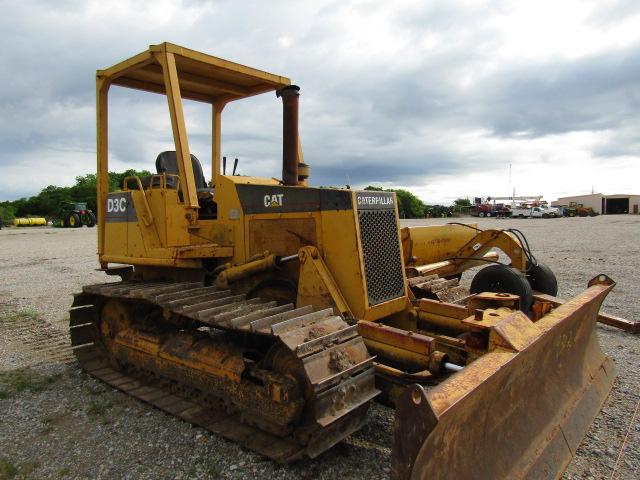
167, 162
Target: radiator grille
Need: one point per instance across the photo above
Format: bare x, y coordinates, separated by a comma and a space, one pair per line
382, 258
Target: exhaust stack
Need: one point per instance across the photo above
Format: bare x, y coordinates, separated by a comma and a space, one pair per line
290, 140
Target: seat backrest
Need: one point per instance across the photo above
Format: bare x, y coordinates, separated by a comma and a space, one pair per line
167, 162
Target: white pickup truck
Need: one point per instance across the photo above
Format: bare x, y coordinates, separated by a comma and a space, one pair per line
542, 211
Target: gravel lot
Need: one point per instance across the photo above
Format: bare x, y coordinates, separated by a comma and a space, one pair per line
56, 422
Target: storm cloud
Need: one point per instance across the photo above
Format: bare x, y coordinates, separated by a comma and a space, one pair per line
443, 98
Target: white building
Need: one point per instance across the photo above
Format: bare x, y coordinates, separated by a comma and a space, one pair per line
603, 204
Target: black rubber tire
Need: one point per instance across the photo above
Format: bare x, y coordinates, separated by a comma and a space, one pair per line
542, 279
481, 214
76, 220
91, 220
503, 279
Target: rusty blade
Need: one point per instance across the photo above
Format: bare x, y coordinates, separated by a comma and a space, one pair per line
516, 412
631, 326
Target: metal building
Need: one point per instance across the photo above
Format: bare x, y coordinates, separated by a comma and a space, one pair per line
604, 204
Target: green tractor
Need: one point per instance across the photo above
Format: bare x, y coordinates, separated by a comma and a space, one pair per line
75, 215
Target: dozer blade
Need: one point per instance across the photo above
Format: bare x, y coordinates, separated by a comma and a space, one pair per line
518, 412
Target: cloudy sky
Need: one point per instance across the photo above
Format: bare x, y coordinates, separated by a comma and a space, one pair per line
442, 98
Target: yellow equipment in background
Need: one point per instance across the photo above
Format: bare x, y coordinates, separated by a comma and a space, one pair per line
272, 313
30, 222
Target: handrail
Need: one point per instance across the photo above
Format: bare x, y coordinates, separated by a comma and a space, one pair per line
162, 184
177, 177
148, 218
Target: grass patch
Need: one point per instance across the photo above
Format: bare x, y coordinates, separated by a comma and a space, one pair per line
213, 469
64, 472
47, 424
24, 380
99, 407
27, 468
10, 469
96, 390
26, 314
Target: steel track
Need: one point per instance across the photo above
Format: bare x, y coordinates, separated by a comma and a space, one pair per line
333, 356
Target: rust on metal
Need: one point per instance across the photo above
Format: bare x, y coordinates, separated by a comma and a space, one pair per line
631, 326
290, 97
413, 342
313, 362
493, 300
558, 357
413, 351
539, 309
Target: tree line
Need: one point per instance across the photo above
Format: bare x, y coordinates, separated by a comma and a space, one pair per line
48, 202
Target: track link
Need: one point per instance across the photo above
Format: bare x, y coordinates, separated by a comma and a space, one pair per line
333, 357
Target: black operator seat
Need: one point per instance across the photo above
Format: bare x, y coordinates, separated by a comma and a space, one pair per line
167, 162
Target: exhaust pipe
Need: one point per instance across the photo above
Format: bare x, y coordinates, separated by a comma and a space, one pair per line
290, 141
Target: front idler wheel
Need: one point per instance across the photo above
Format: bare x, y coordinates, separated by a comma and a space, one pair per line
282, 290
503, 279
542, 279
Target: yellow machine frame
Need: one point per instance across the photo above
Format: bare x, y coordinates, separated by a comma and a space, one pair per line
179, 73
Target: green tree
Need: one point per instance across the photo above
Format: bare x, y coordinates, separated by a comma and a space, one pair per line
409, 206
461, 205
462, 202
116, 180
7, 212
47, 203
85, 190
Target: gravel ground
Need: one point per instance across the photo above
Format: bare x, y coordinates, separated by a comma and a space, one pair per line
56, 422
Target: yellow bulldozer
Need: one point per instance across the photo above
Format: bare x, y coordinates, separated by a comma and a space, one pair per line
272, 313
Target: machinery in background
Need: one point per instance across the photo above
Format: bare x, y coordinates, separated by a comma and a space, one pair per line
30, 222
76, 215
529, 206
438, 211
578, 210
489, 209
272, 313
535, 211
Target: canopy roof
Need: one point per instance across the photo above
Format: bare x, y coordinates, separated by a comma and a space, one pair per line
201, 77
